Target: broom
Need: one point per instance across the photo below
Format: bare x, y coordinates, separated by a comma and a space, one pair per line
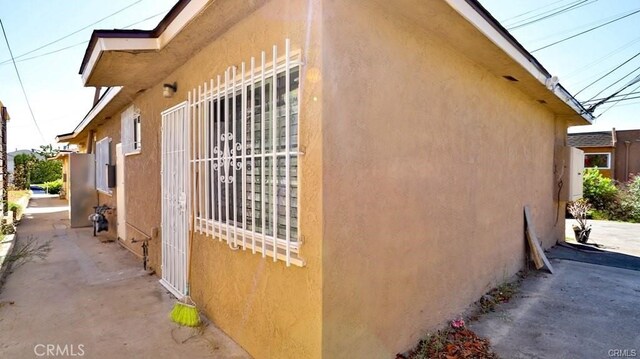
184, 311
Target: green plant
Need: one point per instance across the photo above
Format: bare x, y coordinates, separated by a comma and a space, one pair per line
24, 164
7, 228
598, 190
579, 210
630, 199
53, 187
16, 209
46, 171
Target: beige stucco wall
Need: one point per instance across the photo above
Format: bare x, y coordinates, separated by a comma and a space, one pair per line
271, 310
65, 176
428, 162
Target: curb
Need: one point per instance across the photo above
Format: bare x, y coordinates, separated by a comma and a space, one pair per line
6, 251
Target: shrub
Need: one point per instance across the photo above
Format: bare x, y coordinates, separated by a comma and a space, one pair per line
16, 209
53, 187
630, 199
598, 190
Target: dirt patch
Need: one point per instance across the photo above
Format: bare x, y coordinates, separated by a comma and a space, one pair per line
457, 341
451, 343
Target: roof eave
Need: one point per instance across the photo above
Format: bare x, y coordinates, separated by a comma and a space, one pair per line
482, 20
104, 100
138, 40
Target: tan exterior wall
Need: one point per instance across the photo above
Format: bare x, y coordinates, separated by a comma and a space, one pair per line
428, 162
271, 310
65, 176
605, 172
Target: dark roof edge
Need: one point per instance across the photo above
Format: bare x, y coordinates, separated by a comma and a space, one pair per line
475, 4
124, 33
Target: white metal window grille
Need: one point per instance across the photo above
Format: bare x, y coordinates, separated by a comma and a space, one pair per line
103, 159
130, 131
244, 130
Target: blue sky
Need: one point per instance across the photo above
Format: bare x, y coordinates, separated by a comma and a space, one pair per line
580, 61
55, 90
60, 101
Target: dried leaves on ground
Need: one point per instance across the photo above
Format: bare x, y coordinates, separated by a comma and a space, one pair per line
451, 344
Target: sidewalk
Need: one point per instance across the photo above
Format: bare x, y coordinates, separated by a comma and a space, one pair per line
92, 297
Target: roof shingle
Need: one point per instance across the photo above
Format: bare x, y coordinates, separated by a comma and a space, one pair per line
590, 139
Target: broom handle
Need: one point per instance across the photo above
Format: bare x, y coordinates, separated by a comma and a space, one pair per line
191, 228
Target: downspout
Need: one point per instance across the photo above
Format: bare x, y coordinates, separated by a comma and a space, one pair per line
626, 161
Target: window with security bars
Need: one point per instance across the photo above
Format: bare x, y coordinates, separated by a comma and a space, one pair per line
245, 154
103, 160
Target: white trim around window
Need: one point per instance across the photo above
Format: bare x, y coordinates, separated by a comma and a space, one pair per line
103, 160
130, 130
608, 154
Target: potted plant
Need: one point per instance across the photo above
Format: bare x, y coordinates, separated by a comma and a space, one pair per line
578, 210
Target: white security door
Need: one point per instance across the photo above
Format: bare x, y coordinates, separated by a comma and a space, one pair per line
121, 218
175, 224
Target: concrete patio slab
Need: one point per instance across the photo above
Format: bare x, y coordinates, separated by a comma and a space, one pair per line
94, 297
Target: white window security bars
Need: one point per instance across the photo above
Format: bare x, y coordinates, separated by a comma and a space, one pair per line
244, 157
130, 131
102, 161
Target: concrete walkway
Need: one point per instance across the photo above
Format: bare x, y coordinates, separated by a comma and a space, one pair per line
91, 298
582, 311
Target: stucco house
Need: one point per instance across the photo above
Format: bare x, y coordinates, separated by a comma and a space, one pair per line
350, 174
616, 153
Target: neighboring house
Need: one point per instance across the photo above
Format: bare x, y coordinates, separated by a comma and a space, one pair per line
615, 153
627, 158
352, 174
63, 157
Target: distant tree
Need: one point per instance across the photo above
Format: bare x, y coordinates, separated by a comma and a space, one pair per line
46, 151
46, 171
24, 164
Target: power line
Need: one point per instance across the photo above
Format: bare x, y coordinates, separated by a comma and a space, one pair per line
534, 20
46, 53
614, 83
631, 83
614, 97
586, 31
80, 43
600, 59
617, 102
607, 74
75, 32
20, 80
532, 10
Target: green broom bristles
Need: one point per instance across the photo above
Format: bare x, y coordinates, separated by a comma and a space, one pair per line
185, 314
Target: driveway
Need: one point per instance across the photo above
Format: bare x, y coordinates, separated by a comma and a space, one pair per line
582, 311
612, 236
92, 298
587, 309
